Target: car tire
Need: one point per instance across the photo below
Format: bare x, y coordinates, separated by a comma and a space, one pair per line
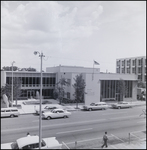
48, 118
64, 116
12, 116
119, 107
90, 109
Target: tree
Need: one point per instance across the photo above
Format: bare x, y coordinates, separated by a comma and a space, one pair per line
141, 84
79, 87
59, 90
122, 89
7, 89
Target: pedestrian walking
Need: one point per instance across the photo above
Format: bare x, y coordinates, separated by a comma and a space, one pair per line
28, 134
105, 139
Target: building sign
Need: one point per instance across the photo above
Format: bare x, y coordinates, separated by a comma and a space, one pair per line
90, 92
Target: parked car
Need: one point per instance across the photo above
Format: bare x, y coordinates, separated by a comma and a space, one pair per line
96, 106
10, 112
47, 108
120, 105
56, 113
32, 142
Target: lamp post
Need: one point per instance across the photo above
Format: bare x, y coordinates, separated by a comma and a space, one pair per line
12, 83
40, 119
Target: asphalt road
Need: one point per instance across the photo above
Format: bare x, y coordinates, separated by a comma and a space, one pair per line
81, 126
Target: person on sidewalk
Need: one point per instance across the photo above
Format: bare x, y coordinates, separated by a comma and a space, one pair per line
28, 134
105, 139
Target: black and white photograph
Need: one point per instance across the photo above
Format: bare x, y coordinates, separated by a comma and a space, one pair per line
73, 74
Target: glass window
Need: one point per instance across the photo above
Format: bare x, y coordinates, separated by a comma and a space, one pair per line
123, 63
139, 62
118, 70
128, 62
43, 143
14, 110
133, 70
123, 70
128, 70
139, 69
133, 62
139, 76
7, 110
118, 63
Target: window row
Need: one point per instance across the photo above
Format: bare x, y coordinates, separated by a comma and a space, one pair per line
140, 62
109, 88
129, 71
33, 80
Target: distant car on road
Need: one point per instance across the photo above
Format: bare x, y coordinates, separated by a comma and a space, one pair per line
32, 142
47, 108
96, 106
56, 113
120, 105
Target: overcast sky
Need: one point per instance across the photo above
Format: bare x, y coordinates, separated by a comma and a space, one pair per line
72, 33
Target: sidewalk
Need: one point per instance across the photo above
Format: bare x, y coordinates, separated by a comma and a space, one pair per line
29, 109
132, 145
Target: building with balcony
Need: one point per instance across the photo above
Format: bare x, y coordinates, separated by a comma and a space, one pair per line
132, 65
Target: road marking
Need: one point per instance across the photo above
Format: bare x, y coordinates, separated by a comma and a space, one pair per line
115, 113
137, 131
113, 147
74, 131
118, 138
142, 121
124, 117
135, 136
7, 130
87, 140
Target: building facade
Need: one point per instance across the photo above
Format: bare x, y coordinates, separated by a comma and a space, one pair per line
99, 86
132, 65
31, 83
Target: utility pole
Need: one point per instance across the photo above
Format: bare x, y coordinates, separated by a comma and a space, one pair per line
12, 84
40, 115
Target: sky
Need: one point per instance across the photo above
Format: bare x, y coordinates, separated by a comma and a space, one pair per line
72, 33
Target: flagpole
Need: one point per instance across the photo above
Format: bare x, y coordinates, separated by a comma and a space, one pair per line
93, 71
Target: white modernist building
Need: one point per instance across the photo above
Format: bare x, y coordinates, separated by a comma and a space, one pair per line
99, 86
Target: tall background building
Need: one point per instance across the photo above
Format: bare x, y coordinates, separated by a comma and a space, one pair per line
132, 65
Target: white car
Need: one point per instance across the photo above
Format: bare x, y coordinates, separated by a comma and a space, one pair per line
9, 112
56, 113
47, 108
96, 106
32, 142
122, 104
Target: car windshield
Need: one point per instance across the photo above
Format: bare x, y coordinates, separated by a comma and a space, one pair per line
46, 107
43, 143
92, 104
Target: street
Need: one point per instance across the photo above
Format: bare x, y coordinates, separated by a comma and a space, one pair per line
80, 126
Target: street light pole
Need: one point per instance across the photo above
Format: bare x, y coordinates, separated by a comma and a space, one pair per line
12, 84
40, 115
